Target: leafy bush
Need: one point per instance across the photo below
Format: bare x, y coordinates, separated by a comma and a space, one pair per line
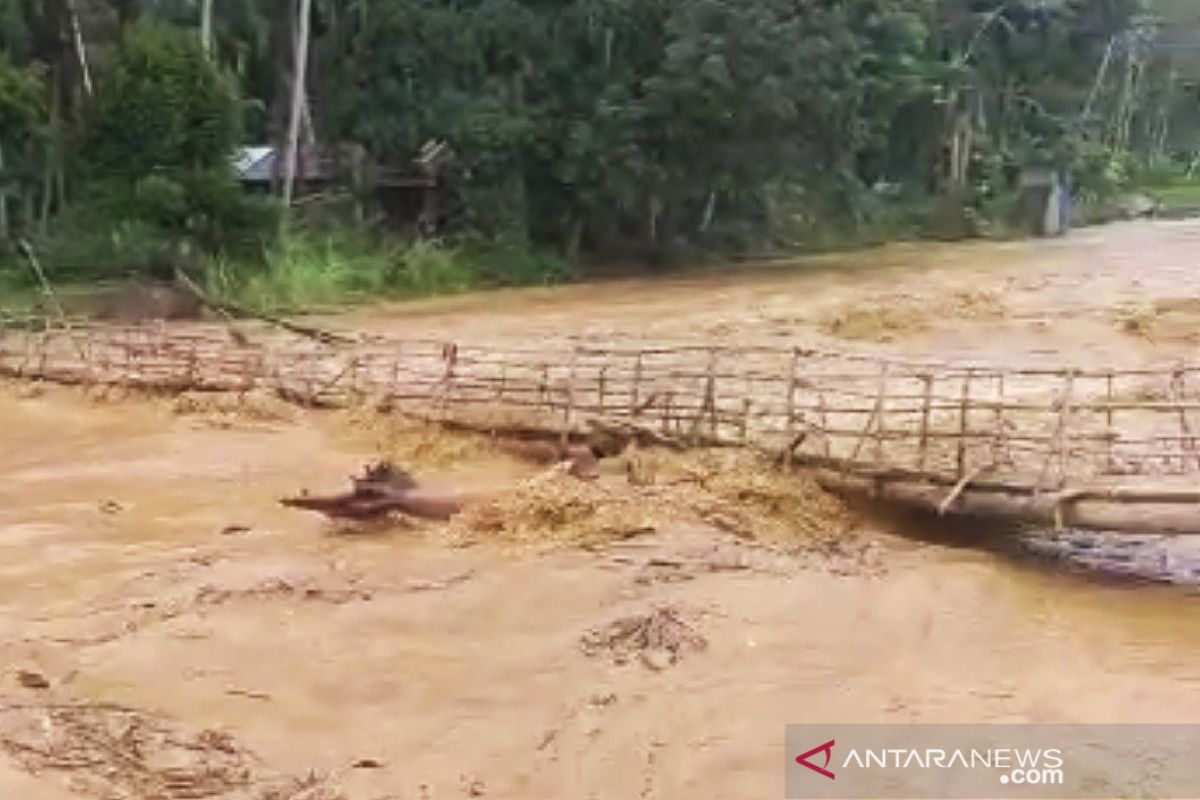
80, 249
303, 269
510, 262
309, 267
163, 106
155, 159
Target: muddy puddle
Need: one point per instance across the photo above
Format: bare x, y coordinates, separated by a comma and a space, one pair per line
168, 630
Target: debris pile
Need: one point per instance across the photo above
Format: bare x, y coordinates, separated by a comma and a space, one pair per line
658, 639
556, 507
734, 491
224, 409
121, 753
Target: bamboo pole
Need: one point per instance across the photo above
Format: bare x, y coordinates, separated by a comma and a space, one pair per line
569, 411
1058, 446
791, 397
1186, 443
601, 386
826, 442
1134, 510
963, 425
923, 453
881, 426
998, 439
1108, 414
635, 392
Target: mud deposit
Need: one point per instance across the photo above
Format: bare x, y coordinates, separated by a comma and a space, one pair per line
168, 631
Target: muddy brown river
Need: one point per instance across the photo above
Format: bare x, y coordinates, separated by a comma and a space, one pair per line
168, 630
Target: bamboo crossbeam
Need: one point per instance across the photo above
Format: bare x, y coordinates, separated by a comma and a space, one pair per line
1075, 420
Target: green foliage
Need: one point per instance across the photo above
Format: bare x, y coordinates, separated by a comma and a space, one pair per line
22, 103
644, 129
80, 248
302, 270
162, 107
23, 130
157, 185
313, 267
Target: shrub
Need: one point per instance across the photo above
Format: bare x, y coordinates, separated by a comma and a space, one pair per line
163, 106
155, 160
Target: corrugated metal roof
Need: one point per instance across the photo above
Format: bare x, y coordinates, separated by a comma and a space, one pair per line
255, 163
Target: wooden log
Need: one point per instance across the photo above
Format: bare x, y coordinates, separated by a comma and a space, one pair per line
1147, 510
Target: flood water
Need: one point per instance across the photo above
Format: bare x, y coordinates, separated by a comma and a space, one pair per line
145, 561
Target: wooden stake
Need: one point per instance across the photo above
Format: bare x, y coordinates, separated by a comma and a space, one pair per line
963, 425
881, 424
827, 443
927, 401
998, 437
569, 413
602, 381
1057, 446
1186, 443
1064, 441
635, 398
791, 397
711, 394
1112, 431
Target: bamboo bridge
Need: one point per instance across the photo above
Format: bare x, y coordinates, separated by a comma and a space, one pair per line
1114, 449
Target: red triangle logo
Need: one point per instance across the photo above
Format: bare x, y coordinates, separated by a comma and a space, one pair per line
827, 749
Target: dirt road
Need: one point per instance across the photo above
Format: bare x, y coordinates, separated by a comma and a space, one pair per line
167, 630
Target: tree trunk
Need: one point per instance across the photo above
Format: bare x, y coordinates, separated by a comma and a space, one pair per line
206, 26
573, 243
299, 70
4, 224
85, 72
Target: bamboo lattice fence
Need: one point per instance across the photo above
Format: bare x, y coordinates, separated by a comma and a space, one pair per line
863, 414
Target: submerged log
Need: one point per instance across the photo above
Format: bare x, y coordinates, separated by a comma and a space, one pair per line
582, 457
1132, 509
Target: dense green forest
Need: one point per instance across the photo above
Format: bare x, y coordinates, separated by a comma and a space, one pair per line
565, 132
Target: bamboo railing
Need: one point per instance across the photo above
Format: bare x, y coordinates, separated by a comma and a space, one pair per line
1040, 427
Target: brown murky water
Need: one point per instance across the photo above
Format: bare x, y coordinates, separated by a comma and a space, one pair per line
144, 562
1119, 294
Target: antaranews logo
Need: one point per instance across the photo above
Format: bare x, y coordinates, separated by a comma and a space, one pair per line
983, 762
827, 749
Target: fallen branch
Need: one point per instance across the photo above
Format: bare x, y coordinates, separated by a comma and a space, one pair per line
26, 251
381, 491
232, 310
